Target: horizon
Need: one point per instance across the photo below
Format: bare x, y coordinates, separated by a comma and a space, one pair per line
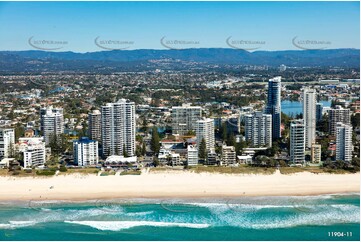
252, 26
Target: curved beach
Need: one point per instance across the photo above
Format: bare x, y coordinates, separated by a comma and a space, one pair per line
174, 184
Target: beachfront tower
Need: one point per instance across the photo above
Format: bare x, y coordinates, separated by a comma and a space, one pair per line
297, 142
344, 142
118, 128
51, 123
274, 105
309, 116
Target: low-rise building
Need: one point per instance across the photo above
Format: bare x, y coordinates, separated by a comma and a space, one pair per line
228, 155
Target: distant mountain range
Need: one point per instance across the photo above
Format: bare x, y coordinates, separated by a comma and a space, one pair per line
144, 59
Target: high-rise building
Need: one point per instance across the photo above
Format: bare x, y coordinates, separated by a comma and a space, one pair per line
94, 127
344, 142
309, 116
118, 128
297, 142
7, 142
205, 130
338, 115
33, 149
51, 122
258, 129
319, 110
274, 105
316, 153
85, 152
192, 155
184, 118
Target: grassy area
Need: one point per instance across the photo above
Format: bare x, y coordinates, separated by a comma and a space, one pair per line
130, 173
81, 171
243, 169
162, 168
312, 169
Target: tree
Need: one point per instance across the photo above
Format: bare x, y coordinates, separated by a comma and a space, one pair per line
154, 143
144, 149
202, 152
224, 132
125, 153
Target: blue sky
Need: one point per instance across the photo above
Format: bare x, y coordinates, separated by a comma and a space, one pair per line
207, 24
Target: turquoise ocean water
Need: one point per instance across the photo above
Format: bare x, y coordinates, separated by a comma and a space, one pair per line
252, 218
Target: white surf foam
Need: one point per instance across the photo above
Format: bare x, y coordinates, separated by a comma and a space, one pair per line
119, 225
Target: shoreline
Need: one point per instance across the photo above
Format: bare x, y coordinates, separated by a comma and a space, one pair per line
174, 185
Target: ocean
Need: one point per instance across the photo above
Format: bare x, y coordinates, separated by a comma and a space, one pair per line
325, 217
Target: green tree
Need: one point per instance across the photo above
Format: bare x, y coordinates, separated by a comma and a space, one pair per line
154, 143
125, 153
202, 153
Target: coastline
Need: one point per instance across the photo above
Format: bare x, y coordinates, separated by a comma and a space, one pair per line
174, 184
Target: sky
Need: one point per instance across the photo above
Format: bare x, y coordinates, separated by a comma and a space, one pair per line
97, 26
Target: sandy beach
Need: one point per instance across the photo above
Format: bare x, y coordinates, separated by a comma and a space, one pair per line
174, 184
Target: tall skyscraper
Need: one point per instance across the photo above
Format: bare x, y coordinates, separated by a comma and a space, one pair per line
118, 128
7, 142
344, 142
205, 130
258, 129
184, 118
297, 142
319, 109
51, 122
309, 116
274, 105
94, 127
85, 152
338, 115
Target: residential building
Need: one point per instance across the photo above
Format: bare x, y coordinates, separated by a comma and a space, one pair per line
192, 155
7, 142
258, 129
274, 105
94, 125
118, 128
85, 152
344, 142
228, 155
338, 115
212, 158
184, 118
319, 112
205, 130
297, 142
51, 123
33, 149
316, 153
309, 116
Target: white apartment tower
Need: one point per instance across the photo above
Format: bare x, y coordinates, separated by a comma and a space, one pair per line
338, 115
85, 152
344, 142
205, 130
258, 129
118, 128
309, 116
192, 155
94, 127
7, 142
34, 152
51, 122
297, 142
184, 118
